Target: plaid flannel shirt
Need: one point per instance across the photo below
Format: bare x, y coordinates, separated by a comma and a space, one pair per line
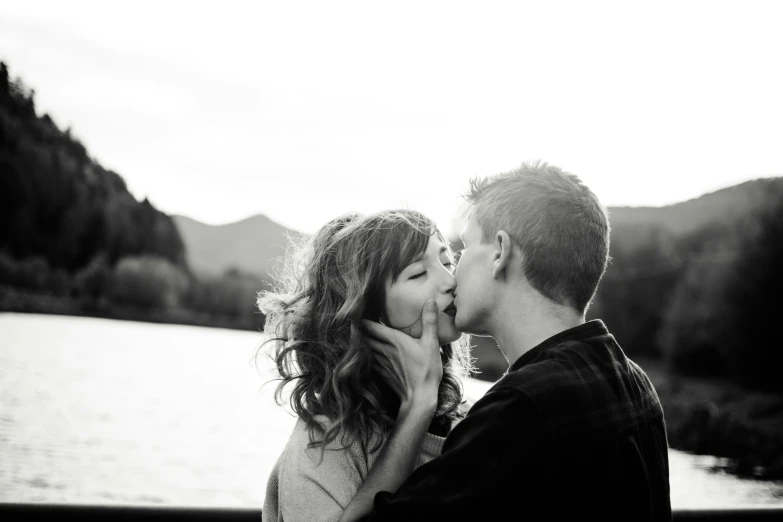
574, 430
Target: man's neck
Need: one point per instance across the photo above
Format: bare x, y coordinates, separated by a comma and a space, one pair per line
520, 327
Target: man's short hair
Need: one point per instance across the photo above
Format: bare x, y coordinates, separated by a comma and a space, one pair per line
561, 227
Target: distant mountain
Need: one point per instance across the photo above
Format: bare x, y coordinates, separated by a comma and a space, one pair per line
251, 245
682, 218
254, 244
633, 224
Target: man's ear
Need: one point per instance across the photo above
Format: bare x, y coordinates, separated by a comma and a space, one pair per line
502, 256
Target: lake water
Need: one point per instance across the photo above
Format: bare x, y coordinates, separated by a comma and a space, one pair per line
118, 412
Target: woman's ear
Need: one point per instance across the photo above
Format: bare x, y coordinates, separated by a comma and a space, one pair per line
502, 256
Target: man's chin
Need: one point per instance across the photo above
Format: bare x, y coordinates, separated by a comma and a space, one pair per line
460, 325
446, 339
466, 327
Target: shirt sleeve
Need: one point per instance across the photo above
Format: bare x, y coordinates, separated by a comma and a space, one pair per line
491, 458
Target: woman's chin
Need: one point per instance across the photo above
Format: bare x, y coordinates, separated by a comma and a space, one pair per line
447, 332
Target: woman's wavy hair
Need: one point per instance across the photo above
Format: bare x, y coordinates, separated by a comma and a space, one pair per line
313, 317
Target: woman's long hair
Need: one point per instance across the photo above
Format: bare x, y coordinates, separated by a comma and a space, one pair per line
327, 286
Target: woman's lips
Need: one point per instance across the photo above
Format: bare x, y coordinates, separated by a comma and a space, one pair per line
450, 310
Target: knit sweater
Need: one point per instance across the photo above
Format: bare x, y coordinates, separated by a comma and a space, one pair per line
300, 488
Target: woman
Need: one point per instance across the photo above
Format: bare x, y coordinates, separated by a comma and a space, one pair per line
381, 267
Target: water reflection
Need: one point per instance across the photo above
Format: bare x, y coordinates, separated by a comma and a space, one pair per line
105, 411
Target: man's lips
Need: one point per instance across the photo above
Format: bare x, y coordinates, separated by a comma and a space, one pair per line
450, 310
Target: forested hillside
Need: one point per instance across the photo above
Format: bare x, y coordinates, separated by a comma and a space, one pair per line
59, 204
75, 241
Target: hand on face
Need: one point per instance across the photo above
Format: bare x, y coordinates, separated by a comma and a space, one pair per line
412, 367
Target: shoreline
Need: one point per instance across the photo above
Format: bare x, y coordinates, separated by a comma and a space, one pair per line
703, 416
717, 417
14, 300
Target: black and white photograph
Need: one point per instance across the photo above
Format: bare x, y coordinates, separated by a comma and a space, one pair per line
361, 261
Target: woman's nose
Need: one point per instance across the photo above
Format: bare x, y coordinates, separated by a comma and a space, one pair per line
449, 283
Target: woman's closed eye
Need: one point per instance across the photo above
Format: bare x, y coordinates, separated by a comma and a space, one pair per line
448, 264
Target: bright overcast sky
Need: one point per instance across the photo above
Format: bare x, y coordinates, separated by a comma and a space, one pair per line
302, 111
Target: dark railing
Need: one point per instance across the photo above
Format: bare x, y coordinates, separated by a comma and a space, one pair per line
18, 512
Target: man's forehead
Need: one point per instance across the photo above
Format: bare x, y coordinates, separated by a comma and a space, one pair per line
469, 229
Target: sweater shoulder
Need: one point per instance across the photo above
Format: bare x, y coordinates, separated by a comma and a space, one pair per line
313, 481
340, 455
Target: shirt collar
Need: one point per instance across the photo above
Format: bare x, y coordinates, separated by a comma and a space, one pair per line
583, 331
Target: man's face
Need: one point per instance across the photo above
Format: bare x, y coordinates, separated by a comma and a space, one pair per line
475, 283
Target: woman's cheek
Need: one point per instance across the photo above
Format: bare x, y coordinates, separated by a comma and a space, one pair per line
400, 311
411, 308
413, 319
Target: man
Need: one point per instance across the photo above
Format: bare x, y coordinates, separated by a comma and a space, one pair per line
574, 429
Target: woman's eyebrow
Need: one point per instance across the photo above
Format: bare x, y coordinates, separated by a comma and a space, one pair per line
417, 259
420, 257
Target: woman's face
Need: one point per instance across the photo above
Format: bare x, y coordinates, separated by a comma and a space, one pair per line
429, 277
